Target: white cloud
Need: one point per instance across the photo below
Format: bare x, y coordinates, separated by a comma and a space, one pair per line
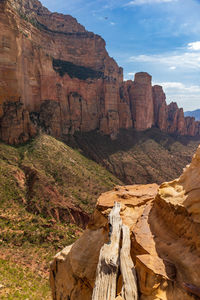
187, 96
112, 23
129, 76
172, 68
194, 46
141, 2
187, 60
169, 85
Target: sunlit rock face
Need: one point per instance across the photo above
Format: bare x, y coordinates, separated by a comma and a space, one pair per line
141, 101
65, 79
164, 225
49, 58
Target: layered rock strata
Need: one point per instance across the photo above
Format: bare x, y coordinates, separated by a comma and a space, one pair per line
164, 226
65, 79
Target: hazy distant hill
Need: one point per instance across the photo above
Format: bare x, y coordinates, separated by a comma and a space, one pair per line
193, 113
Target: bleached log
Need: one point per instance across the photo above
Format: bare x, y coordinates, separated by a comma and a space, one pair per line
129, 289
107, 269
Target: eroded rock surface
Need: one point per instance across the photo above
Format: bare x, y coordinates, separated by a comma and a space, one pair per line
164, 224
15, 124
64, 77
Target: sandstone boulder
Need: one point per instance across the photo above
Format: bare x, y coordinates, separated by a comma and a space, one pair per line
164, 226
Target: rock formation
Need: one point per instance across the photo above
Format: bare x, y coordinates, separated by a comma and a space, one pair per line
141, 101
164, 226
16, 126
65, 79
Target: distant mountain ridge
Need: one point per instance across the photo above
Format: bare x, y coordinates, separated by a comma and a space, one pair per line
193, 113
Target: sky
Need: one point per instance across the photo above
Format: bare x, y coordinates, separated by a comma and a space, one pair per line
161, 37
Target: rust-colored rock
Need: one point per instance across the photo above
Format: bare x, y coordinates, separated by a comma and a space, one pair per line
191, 126
15, 124
141, 101
73, 270
49, 58
165, 235
65, 79
176, 121
160, 108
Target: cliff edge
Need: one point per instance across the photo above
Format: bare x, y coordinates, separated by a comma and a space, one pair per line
164, 225
57, 76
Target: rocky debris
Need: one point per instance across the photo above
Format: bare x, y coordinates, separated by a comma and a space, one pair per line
164, 226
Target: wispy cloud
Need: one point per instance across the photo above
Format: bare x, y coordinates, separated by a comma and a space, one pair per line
141, 2
172, 68
172, 85
187, 96
194, 46
189, 60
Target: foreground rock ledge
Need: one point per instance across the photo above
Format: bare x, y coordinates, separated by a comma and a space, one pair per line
164, 225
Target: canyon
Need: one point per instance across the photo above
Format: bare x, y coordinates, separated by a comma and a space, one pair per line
162, 244
67, 115
58, 77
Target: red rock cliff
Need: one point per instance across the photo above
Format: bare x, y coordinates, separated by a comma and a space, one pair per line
65, 81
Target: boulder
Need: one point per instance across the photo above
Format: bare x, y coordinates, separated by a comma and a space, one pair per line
164, 226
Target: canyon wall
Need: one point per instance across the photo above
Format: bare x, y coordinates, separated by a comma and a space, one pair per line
57, 76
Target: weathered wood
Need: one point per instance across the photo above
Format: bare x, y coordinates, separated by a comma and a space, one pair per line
129, 289
107, 269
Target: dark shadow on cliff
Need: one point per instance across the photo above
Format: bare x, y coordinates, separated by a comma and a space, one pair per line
138, 157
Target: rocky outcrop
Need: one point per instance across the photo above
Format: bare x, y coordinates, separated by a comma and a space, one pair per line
15, 124
170, 118
164, 226
66, 81
73, 271
160, 108
48, 58
141, 101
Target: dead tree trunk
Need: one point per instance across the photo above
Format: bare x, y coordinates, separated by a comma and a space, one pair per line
107, 269
129, 289
111, 258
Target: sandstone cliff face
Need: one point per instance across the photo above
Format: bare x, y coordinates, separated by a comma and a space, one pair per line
164, 228
141, 101
170, 118
160, 108
66, 81
48, 58
15, 124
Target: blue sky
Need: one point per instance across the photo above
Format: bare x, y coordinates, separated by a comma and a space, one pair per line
161, 37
